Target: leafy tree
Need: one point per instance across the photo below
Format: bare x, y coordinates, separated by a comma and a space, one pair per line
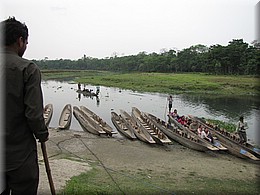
235, 58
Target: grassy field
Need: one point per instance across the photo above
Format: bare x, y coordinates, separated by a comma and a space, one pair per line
97, 182
164, 82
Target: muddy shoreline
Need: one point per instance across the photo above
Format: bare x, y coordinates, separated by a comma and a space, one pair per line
68, 151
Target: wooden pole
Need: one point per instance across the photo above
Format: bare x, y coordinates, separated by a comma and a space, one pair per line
47, 166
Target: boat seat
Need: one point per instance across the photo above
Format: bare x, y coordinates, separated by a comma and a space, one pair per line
66, 118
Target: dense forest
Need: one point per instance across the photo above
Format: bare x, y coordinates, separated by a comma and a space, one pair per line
237, 58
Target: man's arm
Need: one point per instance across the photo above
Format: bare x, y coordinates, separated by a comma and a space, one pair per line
33, 101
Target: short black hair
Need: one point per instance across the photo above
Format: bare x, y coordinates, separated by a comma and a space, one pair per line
12, 30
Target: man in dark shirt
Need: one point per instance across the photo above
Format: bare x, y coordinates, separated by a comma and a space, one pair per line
24, 122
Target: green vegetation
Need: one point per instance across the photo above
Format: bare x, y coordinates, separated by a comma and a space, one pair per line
223, 125
97, 181
163, 82
237, 58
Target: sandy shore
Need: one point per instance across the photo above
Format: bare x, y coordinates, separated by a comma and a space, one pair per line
119, 153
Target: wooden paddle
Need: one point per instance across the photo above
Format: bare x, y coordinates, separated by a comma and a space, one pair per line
47, 166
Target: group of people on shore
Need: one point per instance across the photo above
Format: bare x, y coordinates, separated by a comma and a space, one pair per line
202, 131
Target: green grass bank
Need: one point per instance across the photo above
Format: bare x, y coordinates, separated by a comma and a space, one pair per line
97, 182
163, 82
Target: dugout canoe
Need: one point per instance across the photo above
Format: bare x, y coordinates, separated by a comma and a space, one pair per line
98, 121
47, 114
139, 131
153, 130
86, 123
209, 145
231, 141
193, 127
182, 137
65, 117
87, 93
122, 126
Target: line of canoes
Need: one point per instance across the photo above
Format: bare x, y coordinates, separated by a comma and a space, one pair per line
153, 130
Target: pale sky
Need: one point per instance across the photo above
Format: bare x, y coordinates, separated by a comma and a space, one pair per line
68, 29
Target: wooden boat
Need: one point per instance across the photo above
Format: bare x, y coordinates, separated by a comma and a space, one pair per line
176, 134
86, 123
209, 145
156, 134
139, 131
122, 126
65, 117
232, 137
193, 128
231, 141
47, 114
98, 121
87, 92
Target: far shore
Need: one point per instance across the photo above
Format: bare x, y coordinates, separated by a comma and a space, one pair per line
171, 83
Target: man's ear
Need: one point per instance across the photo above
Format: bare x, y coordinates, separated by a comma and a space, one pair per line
20, 42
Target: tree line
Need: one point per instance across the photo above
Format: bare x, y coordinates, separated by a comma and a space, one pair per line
237, 58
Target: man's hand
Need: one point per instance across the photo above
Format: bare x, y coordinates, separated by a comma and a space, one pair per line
44, 139
43, 136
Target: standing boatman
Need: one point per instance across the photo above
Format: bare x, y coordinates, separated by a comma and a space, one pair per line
170, 101
241, 130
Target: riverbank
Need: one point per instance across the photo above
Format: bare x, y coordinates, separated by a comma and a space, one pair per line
170, 83
118, 165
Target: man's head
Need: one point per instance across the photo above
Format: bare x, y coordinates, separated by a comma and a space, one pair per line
15, 35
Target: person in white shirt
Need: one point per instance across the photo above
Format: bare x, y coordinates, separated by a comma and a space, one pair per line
241, 129
205, 134
170, 100
208, 135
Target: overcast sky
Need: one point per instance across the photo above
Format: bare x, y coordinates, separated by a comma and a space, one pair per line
69, 29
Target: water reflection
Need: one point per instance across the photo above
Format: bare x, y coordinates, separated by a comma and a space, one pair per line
89, 96
232, 106
113, 99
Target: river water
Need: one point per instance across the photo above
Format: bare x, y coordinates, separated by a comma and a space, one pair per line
113, 99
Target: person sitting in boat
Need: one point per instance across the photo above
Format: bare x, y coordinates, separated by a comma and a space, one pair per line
182, 120
175, 115
199, 130
204, 133
194, 126
208, 135
189, 121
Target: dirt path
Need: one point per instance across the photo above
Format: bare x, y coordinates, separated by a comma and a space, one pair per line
123, 154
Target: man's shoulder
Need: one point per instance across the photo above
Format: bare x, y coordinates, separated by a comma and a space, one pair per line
28, 63
17, 58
